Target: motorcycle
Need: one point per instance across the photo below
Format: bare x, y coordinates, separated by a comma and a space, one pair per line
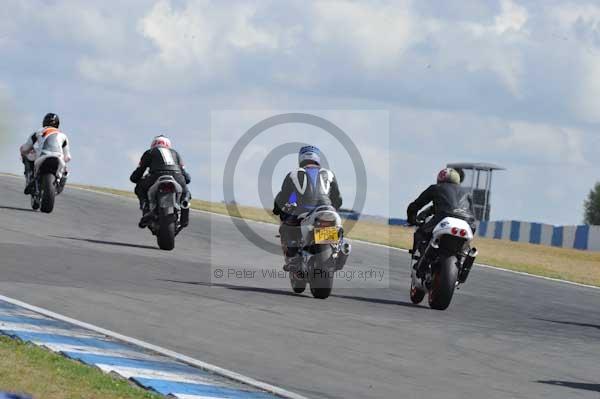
323, 252
444, 262
48, 180
169, 211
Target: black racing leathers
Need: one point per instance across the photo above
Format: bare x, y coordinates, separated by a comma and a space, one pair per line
448, 200
158, 161
308, 188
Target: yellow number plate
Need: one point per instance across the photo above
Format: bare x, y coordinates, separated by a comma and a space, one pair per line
326, 235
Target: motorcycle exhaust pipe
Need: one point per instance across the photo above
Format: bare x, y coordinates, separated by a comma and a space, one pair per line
467, 265
341, 259
346, 248
185, 204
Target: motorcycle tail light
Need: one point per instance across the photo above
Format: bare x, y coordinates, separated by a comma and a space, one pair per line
463, 232
167, 188
325, 223
454, 231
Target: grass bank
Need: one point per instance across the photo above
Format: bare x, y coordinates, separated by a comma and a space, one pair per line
37, 372
567, 264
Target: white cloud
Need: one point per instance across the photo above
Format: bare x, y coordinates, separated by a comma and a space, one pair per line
551, 144
183, 37
376, 34
569, 13
579, 26
194, 42
205, 34
512, 18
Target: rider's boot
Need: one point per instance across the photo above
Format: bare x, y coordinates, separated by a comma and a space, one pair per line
292, 263
292, 257
28, 165
414, 252
147, 216
29, 185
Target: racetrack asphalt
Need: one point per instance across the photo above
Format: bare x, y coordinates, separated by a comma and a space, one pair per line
504, 336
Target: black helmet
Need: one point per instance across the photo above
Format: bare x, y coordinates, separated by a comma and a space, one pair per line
51, 120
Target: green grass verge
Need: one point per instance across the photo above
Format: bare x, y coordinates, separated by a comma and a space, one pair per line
26, 368
562, 263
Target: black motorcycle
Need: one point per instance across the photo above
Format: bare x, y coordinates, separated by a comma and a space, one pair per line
169, 208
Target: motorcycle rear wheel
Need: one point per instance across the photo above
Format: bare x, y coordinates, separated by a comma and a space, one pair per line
165, 236
322, 278
48, 192
298, 286
443, 283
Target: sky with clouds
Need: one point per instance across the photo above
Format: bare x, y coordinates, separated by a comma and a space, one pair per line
514, 82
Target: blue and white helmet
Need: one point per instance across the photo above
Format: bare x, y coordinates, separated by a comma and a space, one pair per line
309, 153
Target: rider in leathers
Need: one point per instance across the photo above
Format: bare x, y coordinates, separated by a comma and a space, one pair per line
303, 190
161, 160
45, 141
448, 198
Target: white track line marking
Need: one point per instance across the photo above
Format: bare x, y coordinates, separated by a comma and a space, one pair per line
556, 280
178, 356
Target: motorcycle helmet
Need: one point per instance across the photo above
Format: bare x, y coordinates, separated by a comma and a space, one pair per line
161, 141
309, 154
51, 120
448, 175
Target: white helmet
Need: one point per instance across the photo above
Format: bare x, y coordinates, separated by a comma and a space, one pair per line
161, 141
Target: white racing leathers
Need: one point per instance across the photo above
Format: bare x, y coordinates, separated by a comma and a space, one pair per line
47, 142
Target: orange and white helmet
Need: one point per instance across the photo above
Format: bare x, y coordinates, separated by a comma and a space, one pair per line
161, 141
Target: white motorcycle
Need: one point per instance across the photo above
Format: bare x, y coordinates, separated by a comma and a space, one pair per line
323, 251
49, 180
444, 262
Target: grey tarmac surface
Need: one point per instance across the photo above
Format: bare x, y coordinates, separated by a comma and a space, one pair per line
504, 336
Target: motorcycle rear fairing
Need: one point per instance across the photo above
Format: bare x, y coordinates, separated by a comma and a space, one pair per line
165, 199
448, 223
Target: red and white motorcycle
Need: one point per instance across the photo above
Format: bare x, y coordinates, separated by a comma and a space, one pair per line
444, 262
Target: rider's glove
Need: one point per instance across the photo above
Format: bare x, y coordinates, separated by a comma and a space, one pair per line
187, 177
289, 207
